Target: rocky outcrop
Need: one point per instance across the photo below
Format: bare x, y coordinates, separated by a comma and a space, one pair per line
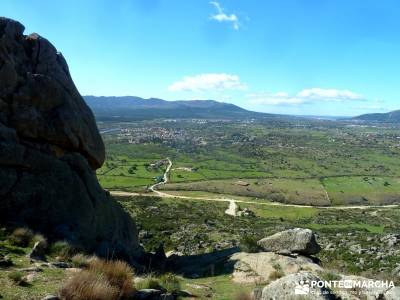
294, 286
49, 149
266, 266
297, 240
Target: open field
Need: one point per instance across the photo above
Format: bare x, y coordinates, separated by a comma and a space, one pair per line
363, 189
300, 191
309, 162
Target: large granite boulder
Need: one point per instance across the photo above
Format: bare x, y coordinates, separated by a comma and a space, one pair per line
296, 240
49, 149
294, 286
267, 266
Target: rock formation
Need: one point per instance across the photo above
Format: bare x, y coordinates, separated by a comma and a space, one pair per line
49, 149
296, 240
264, 266
295, 286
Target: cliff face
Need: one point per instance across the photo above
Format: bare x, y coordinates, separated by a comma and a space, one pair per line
49, 149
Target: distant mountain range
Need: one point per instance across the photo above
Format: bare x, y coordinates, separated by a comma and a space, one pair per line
390, 117
136, 108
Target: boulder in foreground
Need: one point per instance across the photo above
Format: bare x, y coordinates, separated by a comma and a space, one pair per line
49, 149
294, 286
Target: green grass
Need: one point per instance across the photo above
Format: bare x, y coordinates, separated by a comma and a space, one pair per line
296, 191
123, 173
287, 213
367, 227
222, 286
363, 190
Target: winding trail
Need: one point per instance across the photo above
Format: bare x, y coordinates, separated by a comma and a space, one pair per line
233, 203
164, 181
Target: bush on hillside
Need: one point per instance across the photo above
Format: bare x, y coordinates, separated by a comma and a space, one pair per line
62, 249
170, 283
82, 261
249, 244
39, 238
149, 282
16, 277
21, 237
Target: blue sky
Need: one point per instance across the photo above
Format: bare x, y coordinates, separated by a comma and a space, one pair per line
320, 57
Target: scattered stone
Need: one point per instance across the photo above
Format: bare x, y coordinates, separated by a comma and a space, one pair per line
205, 290
148, 294
297, 240
356, 249
60, 264
173, 252
330, 247
246, 212
30, 277
51, 297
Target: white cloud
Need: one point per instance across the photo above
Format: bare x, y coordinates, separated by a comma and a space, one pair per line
329, 94
221, 16
371, 107
207, 82
306, 96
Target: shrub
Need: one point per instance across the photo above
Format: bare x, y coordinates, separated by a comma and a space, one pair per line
39, 238
170, 282
17, 277
249, 244
82, 261
149, 282
118, 273
87, 285
21, 237
62, 249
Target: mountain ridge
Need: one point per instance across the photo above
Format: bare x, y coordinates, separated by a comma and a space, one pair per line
137, 108
389, 117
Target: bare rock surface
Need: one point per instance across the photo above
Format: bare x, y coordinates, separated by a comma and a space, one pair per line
264, 266
49, 149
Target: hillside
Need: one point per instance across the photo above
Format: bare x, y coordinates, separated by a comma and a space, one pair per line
390, 117
136, 108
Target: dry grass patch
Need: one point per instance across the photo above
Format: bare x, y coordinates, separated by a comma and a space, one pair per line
99, 280
87, 285
118, 273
